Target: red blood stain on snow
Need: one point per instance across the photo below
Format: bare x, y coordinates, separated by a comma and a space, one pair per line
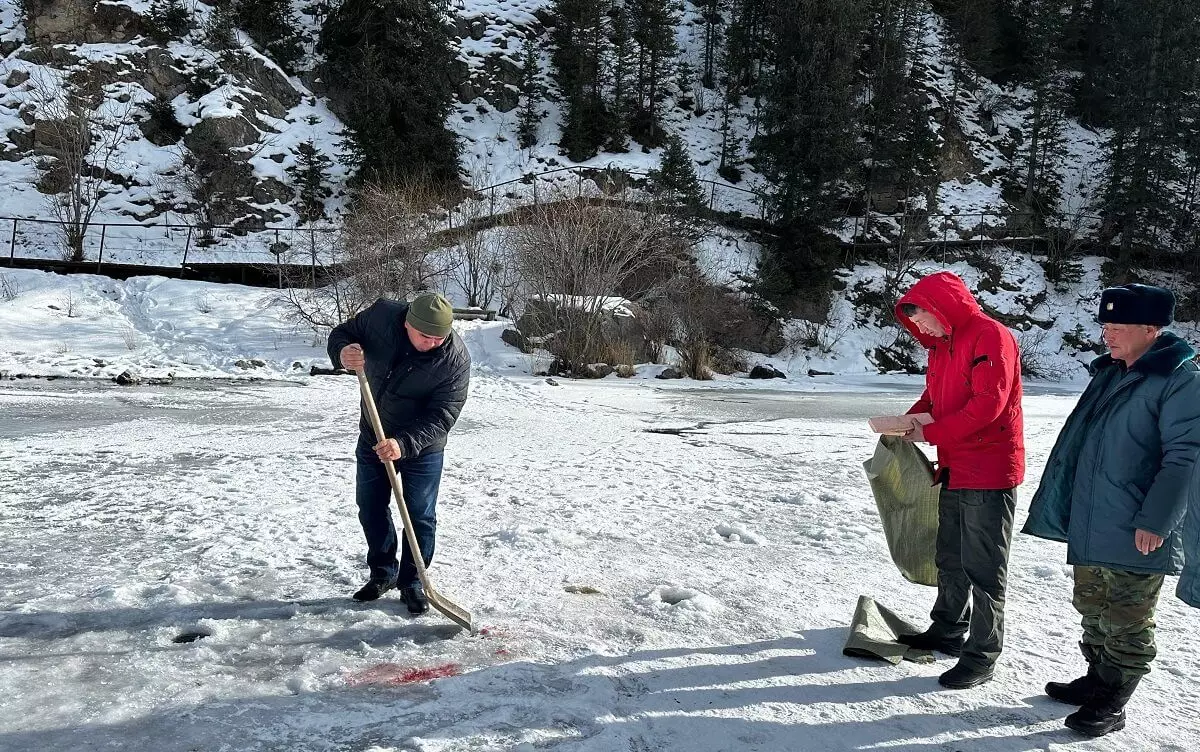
393, 674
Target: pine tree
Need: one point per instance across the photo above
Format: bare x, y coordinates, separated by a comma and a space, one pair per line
808, 143
711, 13
533, 94
1152, 69
579, 48
654, 23
976, 25
1043, 29
310, 177
622, 56
169, 19
747, 45
220, 30
1092, 28
728, 164
675, 179
274, 26
740, 60
901, 147
387, 69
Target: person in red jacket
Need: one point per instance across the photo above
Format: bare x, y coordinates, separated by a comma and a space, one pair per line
973, 392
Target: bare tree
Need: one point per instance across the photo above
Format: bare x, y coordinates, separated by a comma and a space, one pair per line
688, 310
385, 249
323, 306
478, 258
1038, 355
10, 288
577, 258
79, 144
389, 235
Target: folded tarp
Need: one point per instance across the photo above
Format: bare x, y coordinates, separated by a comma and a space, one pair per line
901, 479
873, 634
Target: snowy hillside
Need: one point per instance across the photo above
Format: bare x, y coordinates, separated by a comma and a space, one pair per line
259, 112
154, 109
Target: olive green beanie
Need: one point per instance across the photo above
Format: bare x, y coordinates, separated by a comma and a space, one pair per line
431, 314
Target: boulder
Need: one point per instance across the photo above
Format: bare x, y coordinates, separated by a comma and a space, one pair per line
83, 22
595, 370
319, 371
515, 339
669, 373
16, 78
160, 77
227, 132
278, 94
766, 372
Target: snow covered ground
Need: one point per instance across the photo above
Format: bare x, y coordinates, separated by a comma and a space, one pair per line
637, 590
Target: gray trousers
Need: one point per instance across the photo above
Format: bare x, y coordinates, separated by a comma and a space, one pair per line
973, 541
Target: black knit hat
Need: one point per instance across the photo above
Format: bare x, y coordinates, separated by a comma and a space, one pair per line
1137, 304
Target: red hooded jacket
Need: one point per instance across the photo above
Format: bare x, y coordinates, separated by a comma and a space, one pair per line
972, 387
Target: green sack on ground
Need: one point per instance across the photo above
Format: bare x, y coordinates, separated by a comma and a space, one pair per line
901, 478
873, 634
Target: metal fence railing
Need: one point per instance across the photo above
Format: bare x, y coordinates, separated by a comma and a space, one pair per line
177, 244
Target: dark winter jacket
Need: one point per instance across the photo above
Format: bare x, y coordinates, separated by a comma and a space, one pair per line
1123, 462
972, 388
419, 395
1189, 582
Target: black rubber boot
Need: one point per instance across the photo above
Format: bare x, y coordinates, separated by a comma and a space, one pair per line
930, 640
965, 676
414, 598
1078, 691
1104, 712
373, 589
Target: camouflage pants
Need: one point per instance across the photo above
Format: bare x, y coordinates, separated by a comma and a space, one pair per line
1118, 615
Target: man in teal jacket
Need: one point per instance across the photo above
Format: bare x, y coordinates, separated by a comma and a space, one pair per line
1188, 590
1115, 488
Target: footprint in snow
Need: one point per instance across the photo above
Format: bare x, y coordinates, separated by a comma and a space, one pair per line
737, 534
537, 537
675, 598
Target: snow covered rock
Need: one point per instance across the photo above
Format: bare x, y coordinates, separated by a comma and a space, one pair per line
766, 372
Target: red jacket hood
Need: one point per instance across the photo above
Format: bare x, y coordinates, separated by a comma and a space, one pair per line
944, 295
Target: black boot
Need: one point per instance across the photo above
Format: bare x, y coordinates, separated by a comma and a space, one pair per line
1104, 712
931, 640
414, 598
1078, 691
965, 676
373, 589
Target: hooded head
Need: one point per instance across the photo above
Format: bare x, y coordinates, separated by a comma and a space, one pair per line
946, 297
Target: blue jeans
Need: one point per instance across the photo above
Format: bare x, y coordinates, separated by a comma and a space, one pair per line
419, 478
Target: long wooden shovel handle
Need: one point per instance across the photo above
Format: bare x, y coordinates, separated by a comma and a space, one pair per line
454, 612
